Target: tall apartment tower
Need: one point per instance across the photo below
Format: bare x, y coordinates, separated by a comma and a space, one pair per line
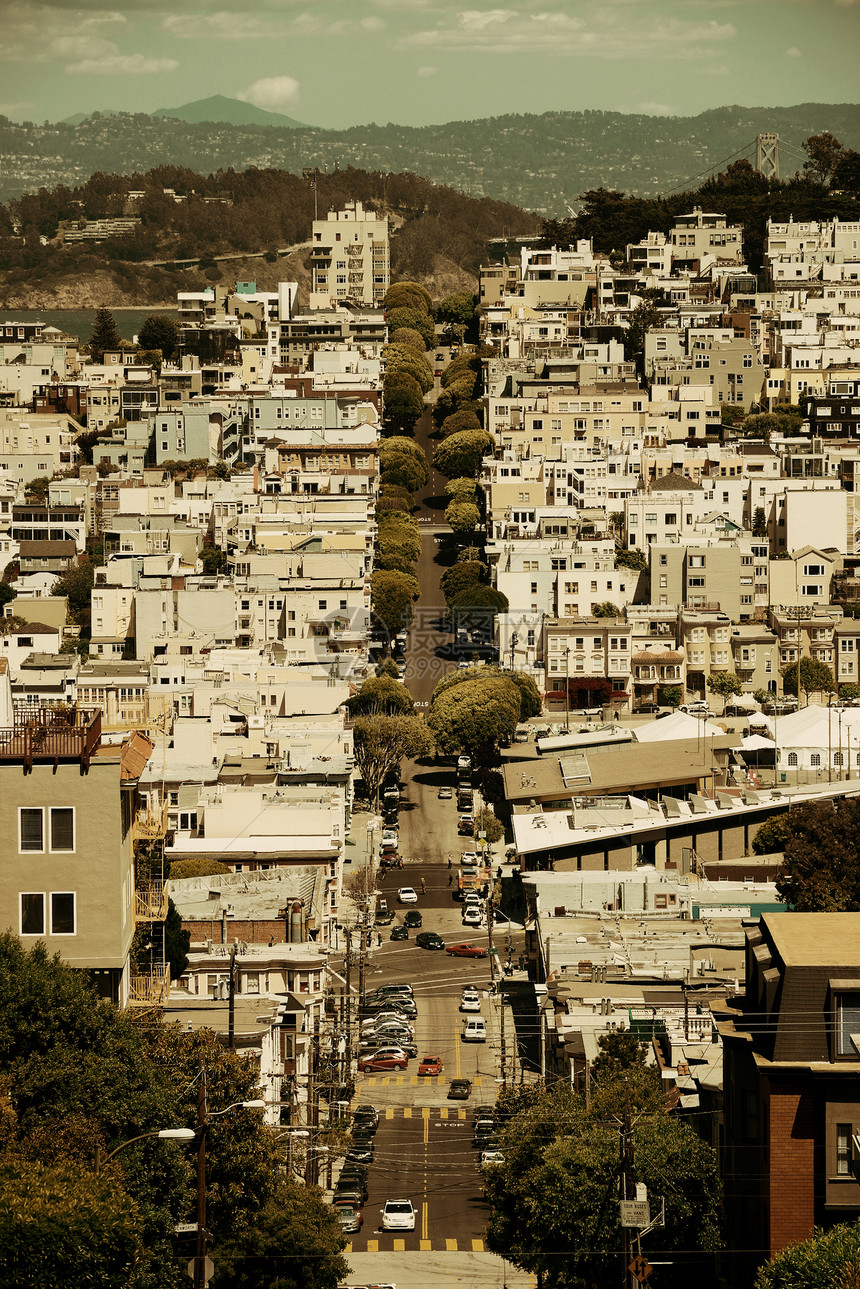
349, 260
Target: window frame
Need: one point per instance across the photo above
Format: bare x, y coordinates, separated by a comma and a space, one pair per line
31, 850
58, 895
22, 895
62, 850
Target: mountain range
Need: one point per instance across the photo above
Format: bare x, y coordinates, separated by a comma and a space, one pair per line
233, 111
541, 163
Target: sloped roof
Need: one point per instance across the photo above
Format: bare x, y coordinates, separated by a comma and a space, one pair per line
675, 482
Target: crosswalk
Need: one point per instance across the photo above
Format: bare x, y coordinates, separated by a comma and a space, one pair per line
424, 1246
422, 1112
412, 1080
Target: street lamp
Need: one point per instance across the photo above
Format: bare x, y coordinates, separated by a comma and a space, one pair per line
166, 1134
204, 1118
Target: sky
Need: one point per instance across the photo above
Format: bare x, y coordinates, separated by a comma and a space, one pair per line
339, 63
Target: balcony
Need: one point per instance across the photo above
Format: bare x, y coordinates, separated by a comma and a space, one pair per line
46, 734
150, 990
150, 902
150, 825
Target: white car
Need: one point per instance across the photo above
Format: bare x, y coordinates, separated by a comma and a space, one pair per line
475, 1031
406, 895
472, 915
471, 1001
389, 837
469, 858
398, 1215
492, 1157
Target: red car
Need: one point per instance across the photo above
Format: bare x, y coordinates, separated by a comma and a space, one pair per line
384, 1061
467, 950
430, 1065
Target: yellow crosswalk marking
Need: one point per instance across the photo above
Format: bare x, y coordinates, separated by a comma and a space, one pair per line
451, 1246
425, 1112
461, 1114
407, 1112
348, 1248
400, 1079
372, 1246
424, 1244
389, 1113
400, 1246
443, 1113
477, 1246
414, 1079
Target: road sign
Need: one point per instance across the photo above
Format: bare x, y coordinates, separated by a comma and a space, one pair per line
185, 1228
208, 1269
641, 1268
635, 1213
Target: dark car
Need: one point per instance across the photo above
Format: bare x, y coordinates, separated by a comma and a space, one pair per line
646, 709
413, 918
365, 1117
384, 917
429, 940
360, 1153
400, 932
466, 826
460, 1090
348, 1194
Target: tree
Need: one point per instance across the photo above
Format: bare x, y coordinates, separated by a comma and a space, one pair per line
404, 359
759, 527
671, 696
606, 609
724, 684
294, 1242
104, 335
457, 309
59, 1225
388, 667
408, 295
403, 400
849, 692
7, 593
479, 708
771, 836
408, 338
641, 319
619, 1052
77, 583
381, 743
461, 489
764, 424
825, 153
487, 822
398, 534
392, 595
160, 331
827, 1260
459, 577
381, 695
213, 559
556, 1150
462, 516
414, 320
460, 455
402, 463
176, 942
821, 864
810, 675
634, 559
467, 419
195, 867
475, 608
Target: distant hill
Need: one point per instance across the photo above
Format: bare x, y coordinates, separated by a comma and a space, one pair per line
540, 163
230, 110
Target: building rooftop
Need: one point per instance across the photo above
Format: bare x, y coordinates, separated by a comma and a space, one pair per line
816, 939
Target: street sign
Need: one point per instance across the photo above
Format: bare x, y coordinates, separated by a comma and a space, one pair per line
635, 1213
641, 1268
209, 1269
185, 1228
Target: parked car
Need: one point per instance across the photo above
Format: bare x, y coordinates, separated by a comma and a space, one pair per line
389, 837
366, 1114
430, 1065
646, 709
483, 1111
430, 940
387, 1058
699, 709
467, 950
360, 1153
459, 1089
469, 858
412, 919
400, 988
384, 917
445, 794
351, 1219
465, 826
407, 895
492, 1157
474, 1030
399, 933
348, 1197
483, 1129
398, 1215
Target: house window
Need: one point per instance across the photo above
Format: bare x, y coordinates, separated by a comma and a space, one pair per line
815, 760
847, 1023
792, 758
62, 828
32, 914
62, 913
31, 828
844, 1132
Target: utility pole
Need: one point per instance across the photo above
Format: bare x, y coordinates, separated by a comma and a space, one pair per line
231, 1005
313, 1103
200, 1258
627, 1187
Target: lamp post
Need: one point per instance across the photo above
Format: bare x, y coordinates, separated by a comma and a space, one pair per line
514, 642
204, 1118
567, 687
166, 1134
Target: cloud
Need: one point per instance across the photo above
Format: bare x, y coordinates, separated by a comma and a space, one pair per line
219, 26
601, 35
793, 52
117, 64
425, 72
272, 93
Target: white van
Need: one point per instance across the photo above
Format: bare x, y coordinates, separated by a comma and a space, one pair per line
475, 1030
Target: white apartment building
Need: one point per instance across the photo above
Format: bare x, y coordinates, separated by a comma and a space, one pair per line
349, 258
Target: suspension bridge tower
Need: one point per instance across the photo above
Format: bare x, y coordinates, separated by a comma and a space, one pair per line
767, 155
